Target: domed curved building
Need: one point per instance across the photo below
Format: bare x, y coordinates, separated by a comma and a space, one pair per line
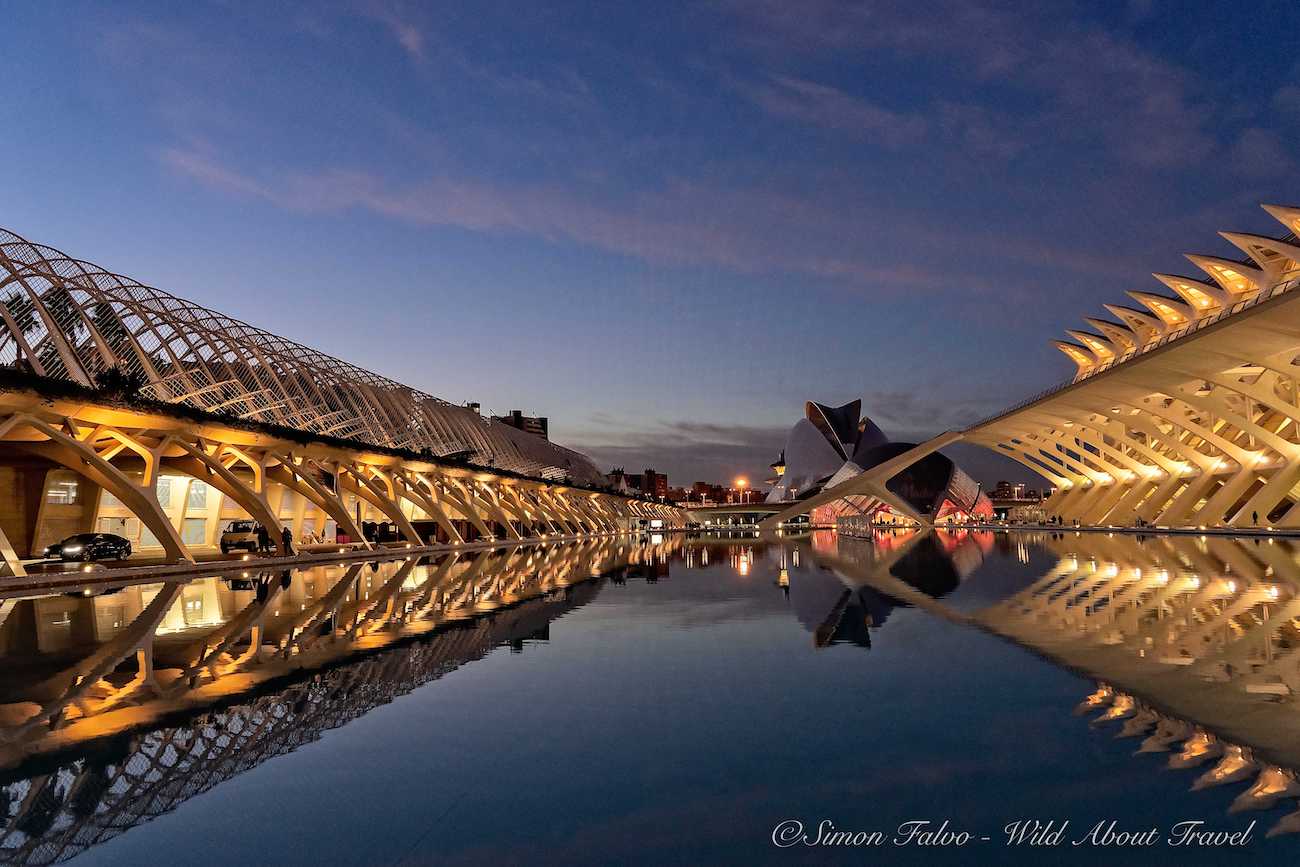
830, 445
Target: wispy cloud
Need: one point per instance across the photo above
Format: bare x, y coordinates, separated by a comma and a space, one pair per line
1092, 84
747, 230
833, 109
1261, 153
683, 224
403, 28
1287, 101
971, 128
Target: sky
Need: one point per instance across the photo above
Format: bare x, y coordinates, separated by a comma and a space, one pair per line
662, 225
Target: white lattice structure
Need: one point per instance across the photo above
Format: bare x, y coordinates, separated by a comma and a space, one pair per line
65, 318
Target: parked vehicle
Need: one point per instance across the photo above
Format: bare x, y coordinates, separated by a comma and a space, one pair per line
239, 535
90, 546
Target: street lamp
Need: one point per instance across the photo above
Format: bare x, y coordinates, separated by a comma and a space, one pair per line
742, 483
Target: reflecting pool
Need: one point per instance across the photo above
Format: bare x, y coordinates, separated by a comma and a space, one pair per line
669, 699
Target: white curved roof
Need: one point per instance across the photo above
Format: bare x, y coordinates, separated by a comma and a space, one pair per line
70, 319
809, 458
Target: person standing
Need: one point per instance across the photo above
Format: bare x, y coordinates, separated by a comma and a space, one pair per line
286, 542
263, 540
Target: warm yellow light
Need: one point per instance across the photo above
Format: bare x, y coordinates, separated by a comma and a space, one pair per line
742, 482
1238, 282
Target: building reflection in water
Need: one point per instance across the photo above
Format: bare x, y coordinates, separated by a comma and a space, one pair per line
94, 667
848, 597
1194, 642
1194, 645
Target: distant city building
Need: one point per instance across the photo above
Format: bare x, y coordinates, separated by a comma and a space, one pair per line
708, 492
1014, 501
650, 483
1015, 492
654, 484
741, 495
536, 425
622, 482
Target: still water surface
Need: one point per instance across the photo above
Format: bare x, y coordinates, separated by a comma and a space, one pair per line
665, 701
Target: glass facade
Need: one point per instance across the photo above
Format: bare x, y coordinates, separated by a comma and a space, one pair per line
164, 491
198, 495
194, 531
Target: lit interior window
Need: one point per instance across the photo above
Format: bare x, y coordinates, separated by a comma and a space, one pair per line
1238, 282
1170, 314
1099, 347
62, 492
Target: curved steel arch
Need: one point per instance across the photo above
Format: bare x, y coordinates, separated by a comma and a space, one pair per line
71, 319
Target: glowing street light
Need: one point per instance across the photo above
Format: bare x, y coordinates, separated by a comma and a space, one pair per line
742, 483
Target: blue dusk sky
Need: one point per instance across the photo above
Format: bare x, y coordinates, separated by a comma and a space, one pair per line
664, 225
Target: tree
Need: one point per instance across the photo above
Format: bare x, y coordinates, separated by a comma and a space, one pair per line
63, 310
110, 327
117, 381
23, 313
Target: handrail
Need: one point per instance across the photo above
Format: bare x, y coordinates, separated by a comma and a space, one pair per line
1286, 284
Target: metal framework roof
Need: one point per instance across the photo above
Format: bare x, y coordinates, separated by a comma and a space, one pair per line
65, 318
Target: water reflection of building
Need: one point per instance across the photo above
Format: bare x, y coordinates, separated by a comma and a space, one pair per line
842, 601
69, 660
70, 663
1195, 642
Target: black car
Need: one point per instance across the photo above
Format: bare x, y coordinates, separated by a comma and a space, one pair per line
90, 546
